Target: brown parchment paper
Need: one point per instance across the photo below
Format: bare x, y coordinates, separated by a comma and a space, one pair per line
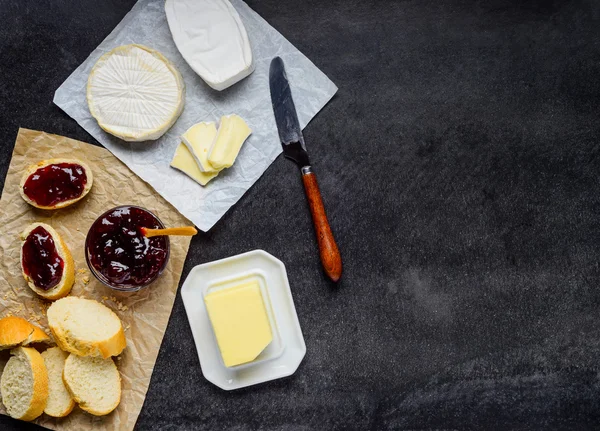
144, 314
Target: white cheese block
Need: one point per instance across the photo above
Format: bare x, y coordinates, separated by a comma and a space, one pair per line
135, 93
212, 39
233, 132
185, 162
198, 139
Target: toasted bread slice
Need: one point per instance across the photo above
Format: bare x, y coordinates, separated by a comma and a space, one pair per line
60, 403
86, 327
68, 276
24, 384
94, 383
33, 168
14, 331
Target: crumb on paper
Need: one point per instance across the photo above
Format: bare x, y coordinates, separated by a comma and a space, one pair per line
82, 270
44, 307
121, 307
86, 279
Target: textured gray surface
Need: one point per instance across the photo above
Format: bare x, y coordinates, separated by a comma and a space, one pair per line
459, 164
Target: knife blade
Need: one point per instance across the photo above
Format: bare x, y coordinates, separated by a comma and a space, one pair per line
288, 126
294, 148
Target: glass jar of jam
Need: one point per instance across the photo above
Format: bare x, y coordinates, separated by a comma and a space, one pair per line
119, 255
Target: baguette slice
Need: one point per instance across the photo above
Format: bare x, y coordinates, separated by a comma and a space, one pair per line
38, 336
68, 277
60, 403
86, 327
94, 383
31, 169
14, 331
24, 384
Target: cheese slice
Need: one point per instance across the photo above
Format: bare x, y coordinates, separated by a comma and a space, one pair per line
185, 162
211, 37
198, 139
233, 132
240, 322
135, 93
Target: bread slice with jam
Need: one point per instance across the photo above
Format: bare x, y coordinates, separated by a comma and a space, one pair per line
46, 262
56, 183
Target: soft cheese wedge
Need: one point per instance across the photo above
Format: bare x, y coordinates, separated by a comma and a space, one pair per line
239, 319
198, 139
233, 132
135, 93
212, 39
186, 163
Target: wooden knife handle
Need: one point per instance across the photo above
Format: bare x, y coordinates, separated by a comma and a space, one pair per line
330, 255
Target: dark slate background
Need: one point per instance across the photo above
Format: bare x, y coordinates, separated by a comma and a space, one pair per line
459, 165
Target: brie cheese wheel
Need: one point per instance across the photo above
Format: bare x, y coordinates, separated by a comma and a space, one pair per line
198, 139
135, 93
212, 39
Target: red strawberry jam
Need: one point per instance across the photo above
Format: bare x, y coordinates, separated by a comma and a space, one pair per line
119, 254
53, 184
40, 259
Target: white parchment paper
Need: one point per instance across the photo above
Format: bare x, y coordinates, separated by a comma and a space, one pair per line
146, 24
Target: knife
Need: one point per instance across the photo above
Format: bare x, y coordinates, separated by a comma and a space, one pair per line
294, 148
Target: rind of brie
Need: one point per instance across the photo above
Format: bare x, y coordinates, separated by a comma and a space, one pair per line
211, 37
198, 139
135, 93
233, 132
185, 162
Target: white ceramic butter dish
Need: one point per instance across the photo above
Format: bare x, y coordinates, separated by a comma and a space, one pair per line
283, 355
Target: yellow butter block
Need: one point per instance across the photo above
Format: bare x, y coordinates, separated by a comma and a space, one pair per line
240, 321
198, 139
233, 132
185, 162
